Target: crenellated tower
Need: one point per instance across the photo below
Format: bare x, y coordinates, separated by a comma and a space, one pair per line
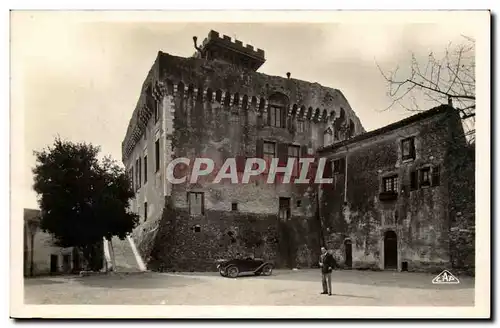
224, 49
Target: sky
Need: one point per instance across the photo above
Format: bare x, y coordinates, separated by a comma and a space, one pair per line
80, 78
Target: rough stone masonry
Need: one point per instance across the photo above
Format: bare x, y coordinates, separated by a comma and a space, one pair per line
215, 104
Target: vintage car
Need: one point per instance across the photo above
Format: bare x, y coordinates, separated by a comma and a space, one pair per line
234, 267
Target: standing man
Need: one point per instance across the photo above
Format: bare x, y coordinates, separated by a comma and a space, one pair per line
326, 263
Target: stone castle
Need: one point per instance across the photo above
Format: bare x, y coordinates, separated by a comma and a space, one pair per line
393, 203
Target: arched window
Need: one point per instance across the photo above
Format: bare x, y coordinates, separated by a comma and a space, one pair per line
277, 110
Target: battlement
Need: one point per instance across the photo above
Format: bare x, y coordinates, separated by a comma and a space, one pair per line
217, 47
214, 37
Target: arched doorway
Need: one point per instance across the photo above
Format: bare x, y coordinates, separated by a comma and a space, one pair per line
390, 250
348, 253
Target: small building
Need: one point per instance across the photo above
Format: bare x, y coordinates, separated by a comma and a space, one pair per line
403, 195
41, 256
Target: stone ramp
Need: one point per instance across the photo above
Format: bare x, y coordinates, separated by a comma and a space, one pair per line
125, 257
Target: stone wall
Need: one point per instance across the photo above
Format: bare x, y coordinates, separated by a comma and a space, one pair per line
187, 243
461, 159
419, 217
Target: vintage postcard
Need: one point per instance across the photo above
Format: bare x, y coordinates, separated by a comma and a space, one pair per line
250, 164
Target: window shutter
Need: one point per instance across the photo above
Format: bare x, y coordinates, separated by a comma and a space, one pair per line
328, 174
282, 154
202, 204
303, 151
291, 125
145, 168
412, 148
284, 116
436, 175
341, 166
259, 152
133, 178
157, 155
413, 180
140, 172
328, 170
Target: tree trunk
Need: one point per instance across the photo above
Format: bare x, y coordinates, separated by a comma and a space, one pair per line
112, 254
91, 254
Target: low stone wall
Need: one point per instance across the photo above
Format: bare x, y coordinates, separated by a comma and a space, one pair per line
185, 243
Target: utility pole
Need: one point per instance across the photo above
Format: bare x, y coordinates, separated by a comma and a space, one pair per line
318, 217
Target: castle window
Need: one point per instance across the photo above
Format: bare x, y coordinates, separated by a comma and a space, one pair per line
157, 155
277, 110
196, 202
300, 126
425, 177
269, 152
284, 208
390, 184
145, 211
276, 118
145, 169
408, 148
234, 118
413, 181
294, 152
299, 203
234, 206
138, 173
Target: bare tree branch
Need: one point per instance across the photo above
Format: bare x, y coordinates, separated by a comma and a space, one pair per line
443, 79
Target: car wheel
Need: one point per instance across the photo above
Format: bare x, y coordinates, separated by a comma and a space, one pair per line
233, 272
267, 270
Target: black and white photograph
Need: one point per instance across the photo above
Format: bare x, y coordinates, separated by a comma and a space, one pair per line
294, 164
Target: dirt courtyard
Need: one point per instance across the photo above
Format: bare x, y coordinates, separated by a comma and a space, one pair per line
284, 287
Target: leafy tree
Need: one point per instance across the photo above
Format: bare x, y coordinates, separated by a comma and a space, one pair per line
81, 198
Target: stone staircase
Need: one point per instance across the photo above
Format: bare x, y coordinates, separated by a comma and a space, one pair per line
126, 256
